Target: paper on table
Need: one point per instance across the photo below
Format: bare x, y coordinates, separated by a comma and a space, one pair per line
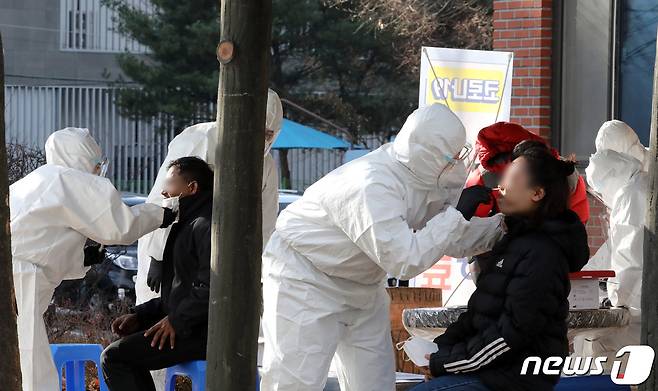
417, 348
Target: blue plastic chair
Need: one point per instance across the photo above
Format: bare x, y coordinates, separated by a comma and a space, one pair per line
73, 357
196, 371
598, 383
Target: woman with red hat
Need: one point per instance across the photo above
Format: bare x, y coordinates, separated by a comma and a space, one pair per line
494, 147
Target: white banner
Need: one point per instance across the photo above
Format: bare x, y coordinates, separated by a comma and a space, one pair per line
475, 84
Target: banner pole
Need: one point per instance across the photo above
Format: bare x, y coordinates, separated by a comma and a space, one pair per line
502, 94
445, 98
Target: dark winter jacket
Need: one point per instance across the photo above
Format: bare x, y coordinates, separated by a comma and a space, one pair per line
186, 271
519, 307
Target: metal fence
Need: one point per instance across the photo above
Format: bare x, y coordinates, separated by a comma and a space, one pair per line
135, 149
309, 165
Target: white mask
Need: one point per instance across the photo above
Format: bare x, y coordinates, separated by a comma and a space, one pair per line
424, 205
451, 183
416, 348
172, 203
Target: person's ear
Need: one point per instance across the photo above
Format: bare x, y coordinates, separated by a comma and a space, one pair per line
194, 187
538, 194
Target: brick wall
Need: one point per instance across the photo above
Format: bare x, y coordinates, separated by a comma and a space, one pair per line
525, 28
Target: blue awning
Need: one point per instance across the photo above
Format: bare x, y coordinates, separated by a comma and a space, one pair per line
298, 136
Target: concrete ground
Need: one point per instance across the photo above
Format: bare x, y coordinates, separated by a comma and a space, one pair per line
402, 385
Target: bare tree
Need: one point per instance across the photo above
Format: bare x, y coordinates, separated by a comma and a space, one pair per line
22, 160
465, 24
10, 370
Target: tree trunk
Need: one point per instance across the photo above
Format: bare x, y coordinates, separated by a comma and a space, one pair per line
10, 369
650, 264
285, 169
235, 288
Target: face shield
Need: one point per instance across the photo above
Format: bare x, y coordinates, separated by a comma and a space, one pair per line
452, 178
463, 159
449, 185
101, 167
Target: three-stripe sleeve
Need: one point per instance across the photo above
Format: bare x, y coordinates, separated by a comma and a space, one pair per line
481, 358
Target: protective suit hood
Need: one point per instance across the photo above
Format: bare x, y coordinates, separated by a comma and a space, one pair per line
204, 134
197, 140
618, 136
274, 117
608, 171
427, 142
73, 148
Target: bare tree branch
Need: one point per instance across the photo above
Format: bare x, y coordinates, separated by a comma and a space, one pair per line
447, 23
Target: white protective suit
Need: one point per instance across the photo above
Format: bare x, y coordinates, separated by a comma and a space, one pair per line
200, 140
54, 210
325, 266
617, 136
623, 185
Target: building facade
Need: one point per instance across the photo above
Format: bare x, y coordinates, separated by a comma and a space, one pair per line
60, 70
56, 42
578, 63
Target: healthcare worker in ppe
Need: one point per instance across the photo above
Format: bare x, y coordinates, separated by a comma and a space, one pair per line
54, 210
622, 184
200, 140
325, 266
617, 136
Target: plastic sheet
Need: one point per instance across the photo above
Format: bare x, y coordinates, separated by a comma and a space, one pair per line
442, 317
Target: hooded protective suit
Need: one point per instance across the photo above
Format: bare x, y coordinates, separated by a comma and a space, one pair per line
623, 185
617, 136
54, 210
325, 266
200, 140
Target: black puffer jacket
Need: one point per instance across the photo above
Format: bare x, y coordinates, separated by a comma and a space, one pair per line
519, 308
186, 271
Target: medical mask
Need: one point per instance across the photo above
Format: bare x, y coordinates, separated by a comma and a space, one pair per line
451, 183
416, 348
456, 167
171, 203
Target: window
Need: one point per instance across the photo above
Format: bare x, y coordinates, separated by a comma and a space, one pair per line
88, 25
77, 27
637, 52
585, 76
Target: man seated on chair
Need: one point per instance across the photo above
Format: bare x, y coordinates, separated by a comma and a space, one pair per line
172, 329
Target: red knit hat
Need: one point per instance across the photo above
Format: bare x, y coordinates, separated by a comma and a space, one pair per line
499, 140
